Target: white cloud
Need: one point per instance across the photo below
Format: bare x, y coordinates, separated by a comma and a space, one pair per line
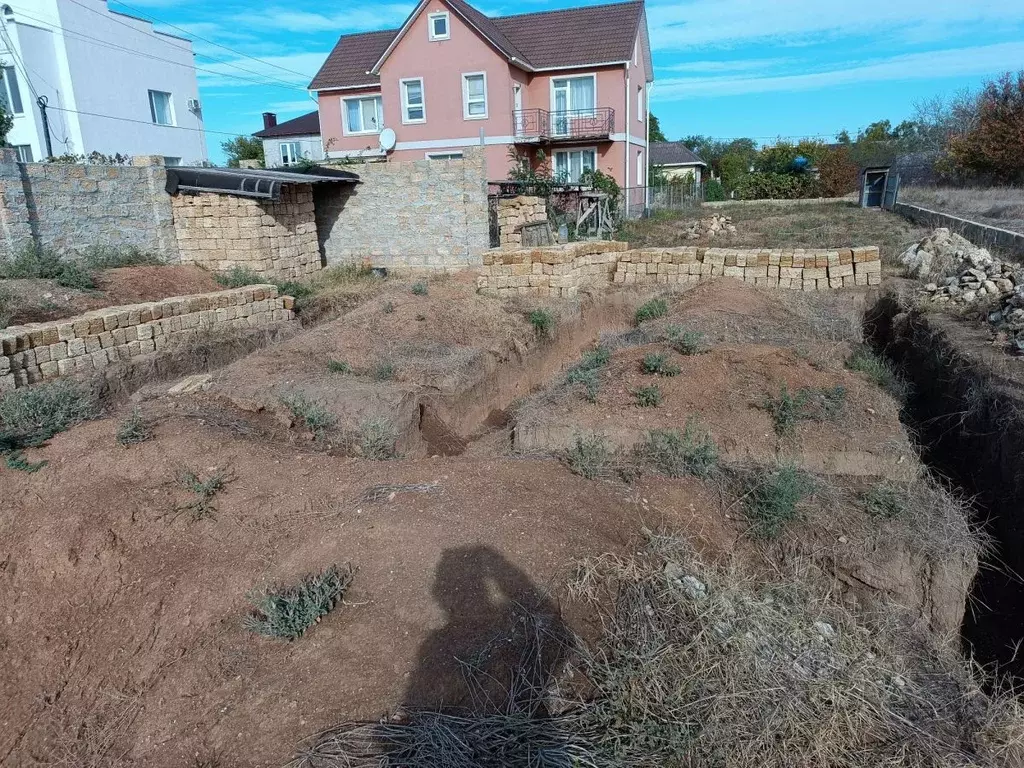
973, 61
734, 65
724, 23
354, 20
272, 68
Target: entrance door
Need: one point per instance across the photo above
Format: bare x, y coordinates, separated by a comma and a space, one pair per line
517, 109
874, 188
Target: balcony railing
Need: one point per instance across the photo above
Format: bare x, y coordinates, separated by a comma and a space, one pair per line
541, 125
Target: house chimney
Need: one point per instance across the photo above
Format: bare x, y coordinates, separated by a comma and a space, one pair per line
269, 120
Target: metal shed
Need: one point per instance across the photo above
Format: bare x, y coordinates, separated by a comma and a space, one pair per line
245, 182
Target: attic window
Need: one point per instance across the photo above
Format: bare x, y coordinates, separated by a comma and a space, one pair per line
439, 29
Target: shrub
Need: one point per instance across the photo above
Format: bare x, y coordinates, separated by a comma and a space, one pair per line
377, 439
32, 415
388, 308
203, 492
134, 429
658, 364
773, 501
676, 455
419, 289
239, 277
385, 371
588, 456
776, 186
990, 148
338, 366
542, 321
36, 262
865, 361
713, 191
586, 373
287, 612
648, 397
113, 257
685, 342
807, 404
651, 310
314, 416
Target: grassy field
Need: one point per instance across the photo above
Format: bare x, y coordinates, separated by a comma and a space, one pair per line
998, 207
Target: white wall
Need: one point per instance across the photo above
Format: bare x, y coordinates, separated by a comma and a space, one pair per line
105, 65
310, 146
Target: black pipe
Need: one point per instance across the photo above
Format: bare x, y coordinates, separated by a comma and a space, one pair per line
42, 102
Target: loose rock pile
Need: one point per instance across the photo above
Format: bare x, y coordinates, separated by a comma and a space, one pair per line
959, 272
716, 225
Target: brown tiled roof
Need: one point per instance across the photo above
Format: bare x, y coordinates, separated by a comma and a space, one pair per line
546, 40
306, 125
353, 56
673, 153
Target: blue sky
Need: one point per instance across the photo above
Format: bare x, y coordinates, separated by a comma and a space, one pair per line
727, 68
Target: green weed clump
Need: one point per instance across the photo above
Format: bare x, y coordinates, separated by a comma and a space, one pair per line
116, 256
338, 366
651, 310
863, 360
589, 456
693, 452
239, 277
543, 322
201, 506
388, 308
419, 289
17, 460
658, 365
772, 502
134, 429
385, 371
32, 415
287, 612
886, 501
377, 439
806, 404
38, 263
586, 373
648, 397
313, 415
686, 342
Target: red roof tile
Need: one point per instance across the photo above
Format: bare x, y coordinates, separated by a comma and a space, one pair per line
352, 58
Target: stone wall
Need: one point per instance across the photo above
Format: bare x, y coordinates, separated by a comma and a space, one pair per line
97, 339
560, 271
424, 213
516, 212
70, 208
275, 239
980, 234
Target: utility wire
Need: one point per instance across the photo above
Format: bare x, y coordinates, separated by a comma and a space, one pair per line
142, 122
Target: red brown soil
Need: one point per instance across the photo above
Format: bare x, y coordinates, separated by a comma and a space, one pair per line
121, 623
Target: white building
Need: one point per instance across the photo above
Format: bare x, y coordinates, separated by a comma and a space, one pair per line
111, 82
289, 142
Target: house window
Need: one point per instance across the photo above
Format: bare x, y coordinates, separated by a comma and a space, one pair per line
474, 96
172, 162
413, 108
363, 115
438, 25
572, 98
160, 108
10, 95
24, 152
291, 152
444, 155
570, 164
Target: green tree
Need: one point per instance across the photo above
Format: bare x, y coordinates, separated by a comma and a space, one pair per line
243, 148
991, 148
6, 123
655, 129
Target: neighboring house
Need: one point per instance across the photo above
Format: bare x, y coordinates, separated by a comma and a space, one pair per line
677, 161
112, 83
293, 140
573, 83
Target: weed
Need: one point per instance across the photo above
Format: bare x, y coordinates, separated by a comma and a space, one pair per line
648, 397
886, 501
588, 456
806, 404
388, 308
596, 358
385, 371
676, 455
543, 322
134, 429
16, 460
419, 289
239, 277
30, 416
113, 257
686, 342
7, 306
421, 318
35, 262
312, 415
586, 373
651, 310
865, 361
773, 501
287, 612
658, 364
377, 439
338, 366
203, 491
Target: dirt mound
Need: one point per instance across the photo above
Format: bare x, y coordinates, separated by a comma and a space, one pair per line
133, 285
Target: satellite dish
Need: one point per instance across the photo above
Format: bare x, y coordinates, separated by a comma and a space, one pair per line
388, 139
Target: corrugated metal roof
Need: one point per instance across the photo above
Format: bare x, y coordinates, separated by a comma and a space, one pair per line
245, 182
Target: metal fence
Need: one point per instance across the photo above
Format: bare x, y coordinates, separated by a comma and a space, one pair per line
637, 202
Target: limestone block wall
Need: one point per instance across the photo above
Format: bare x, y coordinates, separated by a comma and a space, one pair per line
423, 213
78, 345
560, 271
514, 213
275, 238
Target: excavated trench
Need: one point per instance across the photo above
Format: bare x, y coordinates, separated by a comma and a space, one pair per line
967, 410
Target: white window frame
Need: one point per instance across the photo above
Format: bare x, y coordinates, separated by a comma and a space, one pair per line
24, 152
568, 151
406, 120
344, 115
298, 154
640, 104
571, 108
170, 107
454, 155
465, 96
431, 33
11, 72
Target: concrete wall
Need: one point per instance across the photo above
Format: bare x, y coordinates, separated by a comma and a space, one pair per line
979, 234
425, 213
275, 239
71, 207
95, 340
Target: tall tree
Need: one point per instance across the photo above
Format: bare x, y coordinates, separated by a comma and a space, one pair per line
994, 147
243, 148
6, 123
655, 129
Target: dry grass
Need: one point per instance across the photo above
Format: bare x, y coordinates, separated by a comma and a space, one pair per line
996, 206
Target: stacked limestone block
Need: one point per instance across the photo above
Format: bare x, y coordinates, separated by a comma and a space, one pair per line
558, 271
793, 268
516, 212
89, 342
277, 239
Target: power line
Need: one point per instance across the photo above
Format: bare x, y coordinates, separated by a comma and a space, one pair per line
143, 122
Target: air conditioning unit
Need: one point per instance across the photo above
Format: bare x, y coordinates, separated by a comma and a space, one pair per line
193, 105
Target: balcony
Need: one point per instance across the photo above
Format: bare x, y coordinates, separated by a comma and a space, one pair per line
540, 126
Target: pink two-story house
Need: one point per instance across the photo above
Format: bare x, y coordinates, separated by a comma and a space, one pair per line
573, 82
